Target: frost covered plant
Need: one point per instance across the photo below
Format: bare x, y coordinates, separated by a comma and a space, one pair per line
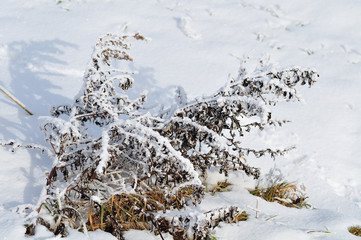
109, 150
126, 155
199, 226
208, 131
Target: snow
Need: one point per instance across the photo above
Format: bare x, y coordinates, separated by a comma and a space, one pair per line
184, 24
104, 155
45, 48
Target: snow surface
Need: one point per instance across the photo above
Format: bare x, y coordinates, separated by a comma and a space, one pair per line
45, 47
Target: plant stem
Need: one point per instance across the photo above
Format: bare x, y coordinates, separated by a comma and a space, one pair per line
101, 217
16, 101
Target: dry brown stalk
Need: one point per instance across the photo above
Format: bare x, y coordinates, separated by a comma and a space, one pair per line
14, 100
90, 218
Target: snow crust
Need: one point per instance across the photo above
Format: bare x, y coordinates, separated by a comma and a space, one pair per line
45, 46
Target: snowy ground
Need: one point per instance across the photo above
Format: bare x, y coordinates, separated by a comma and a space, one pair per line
45, 47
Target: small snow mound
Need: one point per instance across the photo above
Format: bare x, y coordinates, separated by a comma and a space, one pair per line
3, 51
185, 25
96, 199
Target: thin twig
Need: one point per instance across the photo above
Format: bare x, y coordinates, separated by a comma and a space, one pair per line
53, 148
16, 101
156, 226
85, 115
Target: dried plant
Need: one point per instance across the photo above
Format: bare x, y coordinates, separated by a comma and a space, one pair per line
116, 165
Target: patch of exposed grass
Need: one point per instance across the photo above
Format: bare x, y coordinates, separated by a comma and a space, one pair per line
286, 194
126, 211
355, 230
243, 216
221, 187
131, 211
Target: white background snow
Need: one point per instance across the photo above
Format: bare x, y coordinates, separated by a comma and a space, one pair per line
45, 47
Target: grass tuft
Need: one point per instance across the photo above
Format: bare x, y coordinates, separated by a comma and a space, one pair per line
355, 230
221, 187
131, 211
243, 216
286, 194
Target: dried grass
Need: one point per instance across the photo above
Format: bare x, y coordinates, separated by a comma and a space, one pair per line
132, 211
221, 187
355, 230
243, 216
286, 194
